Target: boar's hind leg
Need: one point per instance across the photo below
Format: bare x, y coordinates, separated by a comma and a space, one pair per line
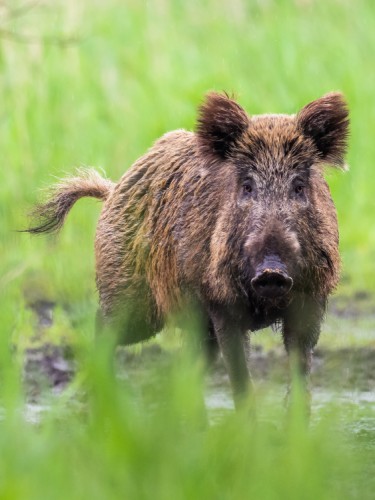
135, 325
211, 347
234, 344
301, 329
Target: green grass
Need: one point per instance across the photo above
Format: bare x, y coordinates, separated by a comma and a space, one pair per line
145, 440
139, 70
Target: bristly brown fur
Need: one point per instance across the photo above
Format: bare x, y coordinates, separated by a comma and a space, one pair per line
221, 122
50, 215
326, 121
196, 218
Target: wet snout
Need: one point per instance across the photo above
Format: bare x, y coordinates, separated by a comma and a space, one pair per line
271, 278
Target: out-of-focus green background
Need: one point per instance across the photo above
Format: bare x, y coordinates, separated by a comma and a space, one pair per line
96, 82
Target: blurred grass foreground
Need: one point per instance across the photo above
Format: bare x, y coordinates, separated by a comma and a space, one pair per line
95, 83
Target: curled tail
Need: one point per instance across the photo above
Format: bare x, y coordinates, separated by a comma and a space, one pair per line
50, 216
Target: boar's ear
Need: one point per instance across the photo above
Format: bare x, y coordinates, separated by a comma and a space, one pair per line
221, 123
326, 122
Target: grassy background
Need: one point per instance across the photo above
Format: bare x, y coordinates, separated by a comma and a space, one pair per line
138, 70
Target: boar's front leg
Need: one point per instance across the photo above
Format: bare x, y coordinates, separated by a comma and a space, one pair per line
234, 344
301, 329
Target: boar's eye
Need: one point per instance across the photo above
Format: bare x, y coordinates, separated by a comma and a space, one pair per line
248, 187
299, 189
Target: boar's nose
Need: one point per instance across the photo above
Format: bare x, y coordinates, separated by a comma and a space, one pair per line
271, 279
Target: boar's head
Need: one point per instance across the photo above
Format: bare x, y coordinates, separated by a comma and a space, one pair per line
276, 230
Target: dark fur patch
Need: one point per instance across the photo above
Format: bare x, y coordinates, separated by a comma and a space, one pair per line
289, 145
326, 122
221, 123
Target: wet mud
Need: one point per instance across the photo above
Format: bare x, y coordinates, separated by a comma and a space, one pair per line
346, 372
351, 369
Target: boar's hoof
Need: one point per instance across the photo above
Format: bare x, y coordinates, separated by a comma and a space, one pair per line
271, 283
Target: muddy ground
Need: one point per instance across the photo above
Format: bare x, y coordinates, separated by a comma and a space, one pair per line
343, 366
342, 369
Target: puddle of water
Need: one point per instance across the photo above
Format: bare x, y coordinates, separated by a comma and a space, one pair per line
34, 412
322, 397
344, 377
219, 402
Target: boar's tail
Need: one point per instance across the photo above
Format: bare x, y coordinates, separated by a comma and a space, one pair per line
49, 216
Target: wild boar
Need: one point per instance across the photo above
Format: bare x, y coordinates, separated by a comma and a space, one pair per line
235, 217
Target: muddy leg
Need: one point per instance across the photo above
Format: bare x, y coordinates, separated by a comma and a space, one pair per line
235, 347
301, 329
129, 327
210, 345
126, 329
204, 347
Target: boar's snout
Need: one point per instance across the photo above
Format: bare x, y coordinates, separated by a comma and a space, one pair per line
271, 279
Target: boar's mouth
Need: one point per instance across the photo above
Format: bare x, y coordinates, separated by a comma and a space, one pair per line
271, 279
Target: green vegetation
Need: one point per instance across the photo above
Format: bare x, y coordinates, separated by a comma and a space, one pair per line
137, 70
123, 442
